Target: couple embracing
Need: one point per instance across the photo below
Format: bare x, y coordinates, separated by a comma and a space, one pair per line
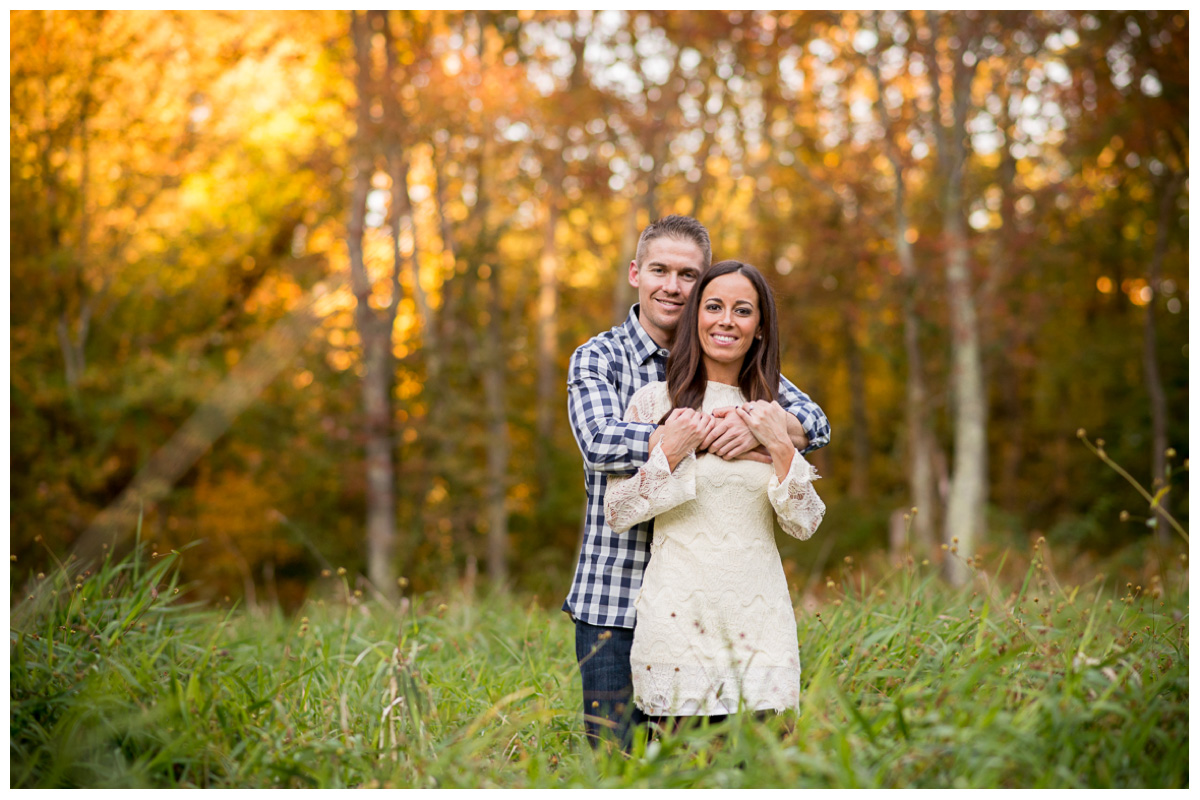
692, 443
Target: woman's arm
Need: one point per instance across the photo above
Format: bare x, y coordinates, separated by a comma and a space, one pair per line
668, 478
796, 503
650, 491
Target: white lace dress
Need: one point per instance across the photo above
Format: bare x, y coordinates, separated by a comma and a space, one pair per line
715, 627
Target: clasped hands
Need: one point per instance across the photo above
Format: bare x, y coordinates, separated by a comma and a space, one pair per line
747, 431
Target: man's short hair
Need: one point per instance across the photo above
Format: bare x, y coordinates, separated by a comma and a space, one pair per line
676, 226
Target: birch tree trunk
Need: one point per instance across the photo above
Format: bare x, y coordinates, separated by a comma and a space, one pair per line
964, 511
965, 507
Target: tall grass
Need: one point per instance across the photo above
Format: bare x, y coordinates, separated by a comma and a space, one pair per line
118, 681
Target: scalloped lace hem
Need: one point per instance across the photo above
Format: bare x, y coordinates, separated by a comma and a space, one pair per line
689, 691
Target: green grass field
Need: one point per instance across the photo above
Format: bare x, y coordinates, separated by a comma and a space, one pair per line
118, 681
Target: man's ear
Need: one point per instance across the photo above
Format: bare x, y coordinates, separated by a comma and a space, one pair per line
633, 274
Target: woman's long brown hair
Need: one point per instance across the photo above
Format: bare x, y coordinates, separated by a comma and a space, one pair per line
687, 379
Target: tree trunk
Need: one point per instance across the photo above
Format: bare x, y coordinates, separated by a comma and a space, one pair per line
970, 404
625, 295
494, 369
73, 348
1154, 382
498, 445
964, 511
452, 403
375, 331
1005, 371
860, 434
446, 327
498, 437
404, 218
1008, 488
921, 482
549, 390
549, 381
707, 146
404, 213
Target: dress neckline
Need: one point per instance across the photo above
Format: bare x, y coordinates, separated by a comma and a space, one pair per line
724, 390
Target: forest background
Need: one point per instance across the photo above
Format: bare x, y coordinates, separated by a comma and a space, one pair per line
303, 286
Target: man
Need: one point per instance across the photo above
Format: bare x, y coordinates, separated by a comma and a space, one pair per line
604, 374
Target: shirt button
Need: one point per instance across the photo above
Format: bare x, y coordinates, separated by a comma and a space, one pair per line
663, 353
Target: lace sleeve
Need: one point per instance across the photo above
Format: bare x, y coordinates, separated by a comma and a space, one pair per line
654, 488
796, 502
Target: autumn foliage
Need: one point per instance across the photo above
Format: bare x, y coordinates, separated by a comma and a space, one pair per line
188, 190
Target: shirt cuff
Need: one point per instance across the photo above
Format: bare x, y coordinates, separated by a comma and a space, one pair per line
817, 438
637, 439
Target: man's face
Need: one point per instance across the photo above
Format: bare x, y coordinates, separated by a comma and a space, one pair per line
664, 279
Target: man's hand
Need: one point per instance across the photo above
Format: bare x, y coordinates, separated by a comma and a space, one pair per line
758, 454
730, 438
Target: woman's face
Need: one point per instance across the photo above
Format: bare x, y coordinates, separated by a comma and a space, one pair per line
728, 323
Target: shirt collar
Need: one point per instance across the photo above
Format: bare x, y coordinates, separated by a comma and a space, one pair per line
643, 346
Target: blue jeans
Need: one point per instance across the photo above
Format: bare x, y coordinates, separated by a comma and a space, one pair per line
607, 682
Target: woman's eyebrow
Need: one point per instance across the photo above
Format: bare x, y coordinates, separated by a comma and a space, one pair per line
739, 301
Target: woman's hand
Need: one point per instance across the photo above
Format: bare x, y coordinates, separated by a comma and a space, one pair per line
730, 438
769, 424
767, 421
682, 433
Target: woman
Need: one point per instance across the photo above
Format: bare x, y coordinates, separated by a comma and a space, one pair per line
715, 628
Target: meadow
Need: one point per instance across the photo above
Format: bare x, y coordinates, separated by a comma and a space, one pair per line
119, 680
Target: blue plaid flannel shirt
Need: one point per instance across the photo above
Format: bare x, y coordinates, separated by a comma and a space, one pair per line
605, 373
